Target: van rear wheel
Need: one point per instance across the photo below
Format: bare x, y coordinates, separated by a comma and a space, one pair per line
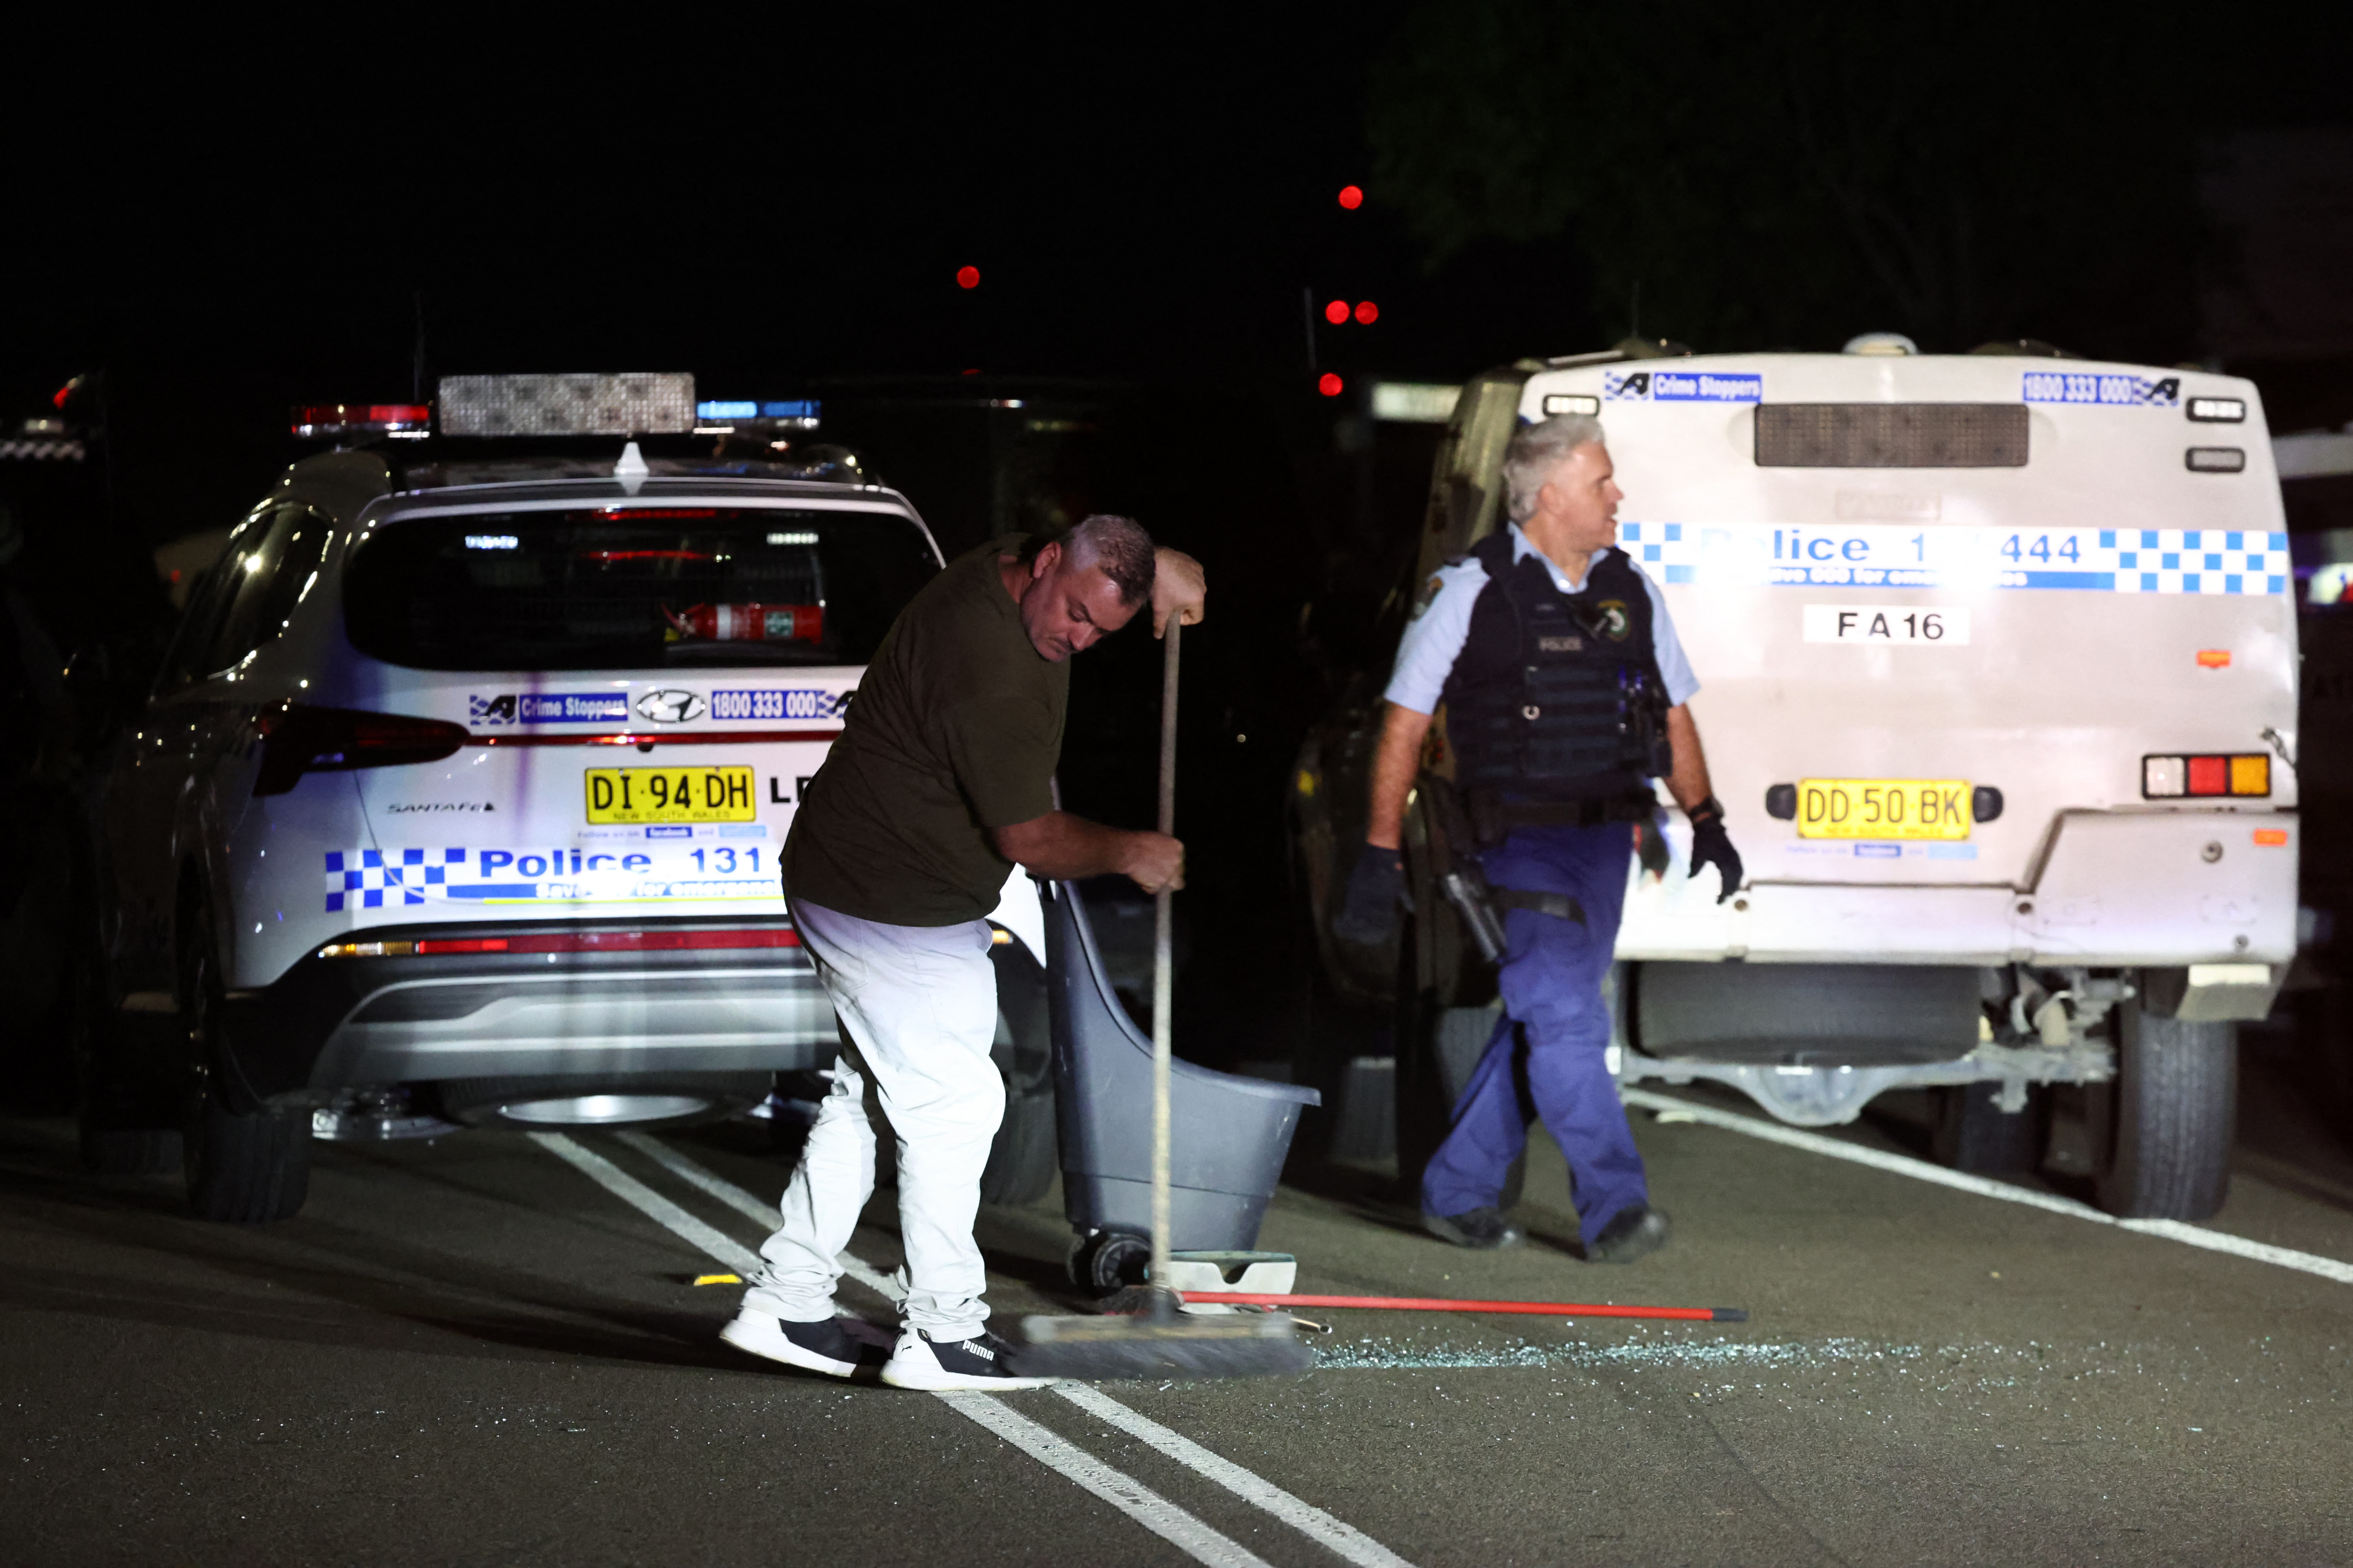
2168, 1118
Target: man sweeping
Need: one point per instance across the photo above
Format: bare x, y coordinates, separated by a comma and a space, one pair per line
939, 784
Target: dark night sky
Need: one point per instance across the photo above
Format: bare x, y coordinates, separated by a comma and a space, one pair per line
232, 216
756, 205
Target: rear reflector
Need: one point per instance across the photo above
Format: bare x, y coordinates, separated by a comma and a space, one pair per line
571, 941
2174, 777
2271, 838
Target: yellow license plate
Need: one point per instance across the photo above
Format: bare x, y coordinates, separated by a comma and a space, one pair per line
669, 794
1883, 808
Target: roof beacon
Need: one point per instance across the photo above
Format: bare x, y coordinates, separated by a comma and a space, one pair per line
638, 404
323, 421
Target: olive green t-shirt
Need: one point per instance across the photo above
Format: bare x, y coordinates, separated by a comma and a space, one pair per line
956, 729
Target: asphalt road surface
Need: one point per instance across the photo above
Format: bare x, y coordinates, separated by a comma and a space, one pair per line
488, 1350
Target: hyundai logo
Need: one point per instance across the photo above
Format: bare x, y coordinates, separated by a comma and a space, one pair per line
669, 707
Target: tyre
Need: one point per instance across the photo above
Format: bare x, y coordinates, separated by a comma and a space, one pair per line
1109, 1261
246, 1168
2164, 1126
1025, 1154
119, 1135
247, 1165
1973, 1133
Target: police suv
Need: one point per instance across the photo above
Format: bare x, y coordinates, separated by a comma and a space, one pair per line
459, 798
1998, 664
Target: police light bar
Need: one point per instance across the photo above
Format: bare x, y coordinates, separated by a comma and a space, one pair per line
628, 404
792, 414
2176, 777
1414, 402
318, 421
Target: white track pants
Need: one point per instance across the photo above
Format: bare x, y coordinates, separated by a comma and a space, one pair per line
918, 1005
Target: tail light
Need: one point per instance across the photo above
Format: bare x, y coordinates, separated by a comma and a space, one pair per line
2175, 777
302, 739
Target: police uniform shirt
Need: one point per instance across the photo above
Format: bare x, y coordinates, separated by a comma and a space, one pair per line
1434, 639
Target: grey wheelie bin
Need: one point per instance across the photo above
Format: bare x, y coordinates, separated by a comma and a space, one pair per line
1228, 1135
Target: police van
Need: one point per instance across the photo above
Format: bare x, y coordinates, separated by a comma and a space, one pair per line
461, 797
1997, 656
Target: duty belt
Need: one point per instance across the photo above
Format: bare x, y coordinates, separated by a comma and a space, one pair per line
1492, 820
1560, 906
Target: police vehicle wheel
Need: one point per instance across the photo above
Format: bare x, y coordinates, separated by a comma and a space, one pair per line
1109, 1261
1024, 1156
2168, 1117
244, 1166
1973, 1133
119, 1136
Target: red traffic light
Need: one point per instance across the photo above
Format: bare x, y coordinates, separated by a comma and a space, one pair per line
1352, 196
1368, 313
968, 277
1337, 311
1328, 385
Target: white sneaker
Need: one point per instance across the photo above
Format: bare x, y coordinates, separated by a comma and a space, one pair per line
923, 1362
826, 1346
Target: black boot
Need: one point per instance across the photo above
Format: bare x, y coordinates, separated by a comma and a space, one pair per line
1633, 1232
1483, 1228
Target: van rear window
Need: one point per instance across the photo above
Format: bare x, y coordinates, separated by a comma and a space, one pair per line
632, 587
1891, 435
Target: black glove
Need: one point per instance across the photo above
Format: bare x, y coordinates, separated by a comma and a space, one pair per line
1711, 846
1368, 914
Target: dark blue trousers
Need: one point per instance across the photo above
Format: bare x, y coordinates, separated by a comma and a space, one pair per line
1547, 1057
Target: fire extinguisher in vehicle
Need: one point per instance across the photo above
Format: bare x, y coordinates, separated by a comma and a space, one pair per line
745, 623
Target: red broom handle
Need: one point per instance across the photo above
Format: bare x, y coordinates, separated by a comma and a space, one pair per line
1439, 1304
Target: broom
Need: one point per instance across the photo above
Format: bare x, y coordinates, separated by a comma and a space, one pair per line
1145, 1334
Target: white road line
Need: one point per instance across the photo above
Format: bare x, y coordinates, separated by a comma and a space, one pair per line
1344, 1539
1124, 1492
744, 1204
1307, 1518
1921, 1170
650, 1203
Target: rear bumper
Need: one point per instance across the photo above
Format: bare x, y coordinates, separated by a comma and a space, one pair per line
2113, 890
333, 1023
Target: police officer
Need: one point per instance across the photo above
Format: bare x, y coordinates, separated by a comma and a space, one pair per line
1566, 693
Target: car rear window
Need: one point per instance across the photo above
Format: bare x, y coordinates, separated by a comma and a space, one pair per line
632, 587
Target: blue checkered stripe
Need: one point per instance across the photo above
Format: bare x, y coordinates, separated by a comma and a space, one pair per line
2195, 561
2108, 560
374, 878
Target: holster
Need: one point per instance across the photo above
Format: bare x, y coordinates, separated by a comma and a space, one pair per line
1454, 862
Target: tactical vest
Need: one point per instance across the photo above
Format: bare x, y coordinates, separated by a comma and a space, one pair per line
1557, 696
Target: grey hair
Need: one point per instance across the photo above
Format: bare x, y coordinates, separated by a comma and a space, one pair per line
1121, 547
1536, 451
